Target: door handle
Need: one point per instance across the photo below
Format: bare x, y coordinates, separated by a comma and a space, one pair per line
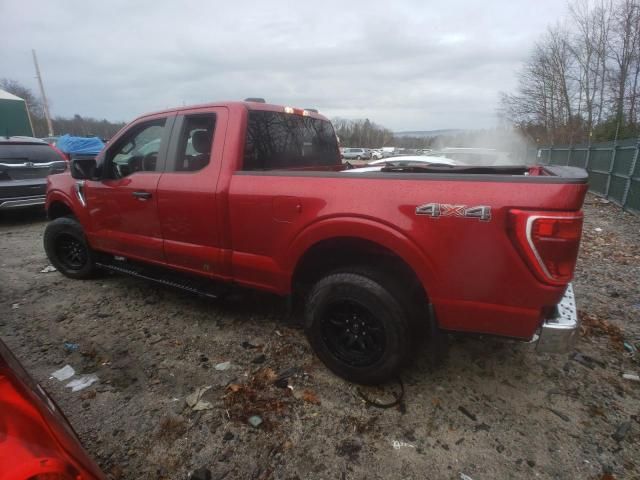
142, 195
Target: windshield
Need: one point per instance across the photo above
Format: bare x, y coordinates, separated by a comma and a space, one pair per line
19, 153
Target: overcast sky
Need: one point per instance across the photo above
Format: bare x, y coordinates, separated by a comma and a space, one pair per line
406, 65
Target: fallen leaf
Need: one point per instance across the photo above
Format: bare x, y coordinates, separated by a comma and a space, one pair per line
88, 394
264, 376
310, 397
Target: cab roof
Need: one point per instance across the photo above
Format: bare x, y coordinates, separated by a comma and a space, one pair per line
249, 105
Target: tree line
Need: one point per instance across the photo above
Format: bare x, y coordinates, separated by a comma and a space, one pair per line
352, 133
76, 125
582, 80
367, 134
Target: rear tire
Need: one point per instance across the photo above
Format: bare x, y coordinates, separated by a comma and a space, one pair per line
67, 248
357, 327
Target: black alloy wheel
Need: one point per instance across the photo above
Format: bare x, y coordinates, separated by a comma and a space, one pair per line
358, 328
71, 252
67, 248
353, 333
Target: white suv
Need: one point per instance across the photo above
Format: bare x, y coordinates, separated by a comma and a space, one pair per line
356, 154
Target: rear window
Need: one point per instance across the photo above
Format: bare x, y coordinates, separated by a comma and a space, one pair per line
282, 140
20, 153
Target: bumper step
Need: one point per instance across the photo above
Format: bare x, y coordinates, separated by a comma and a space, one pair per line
558, 333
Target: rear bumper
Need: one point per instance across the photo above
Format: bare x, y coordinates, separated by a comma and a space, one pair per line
558, 333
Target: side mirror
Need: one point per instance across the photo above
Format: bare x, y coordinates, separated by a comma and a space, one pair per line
83, 168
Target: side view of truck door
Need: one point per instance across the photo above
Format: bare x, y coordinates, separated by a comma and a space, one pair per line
187, 199
122, 204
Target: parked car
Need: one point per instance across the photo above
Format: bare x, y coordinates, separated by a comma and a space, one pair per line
356, 154
403, 161
36, 440
417, 159
376, 154
50, 140
25, 163
370, 259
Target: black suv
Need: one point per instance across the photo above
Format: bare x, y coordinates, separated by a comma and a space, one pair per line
25, 163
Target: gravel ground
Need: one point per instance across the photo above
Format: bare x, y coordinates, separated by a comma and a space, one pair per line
495, 409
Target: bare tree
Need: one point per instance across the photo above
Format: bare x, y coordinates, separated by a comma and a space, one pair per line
588, 46
623, 47
583, 76
633, 74
545, 89
81, 126
16, 88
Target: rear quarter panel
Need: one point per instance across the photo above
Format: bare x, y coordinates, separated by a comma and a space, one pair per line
470, 269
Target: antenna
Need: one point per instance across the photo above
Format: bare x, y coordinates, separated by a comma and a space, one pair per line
45, 103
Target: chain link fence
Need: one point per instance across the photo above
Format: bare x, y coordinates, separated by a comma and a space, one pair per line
614, 168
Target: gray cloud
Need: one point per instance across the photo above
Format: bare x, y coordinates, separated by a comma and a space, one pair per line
408, 65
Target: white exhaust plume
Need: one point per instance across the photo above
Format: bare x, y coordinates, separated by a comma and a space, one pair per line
499, 146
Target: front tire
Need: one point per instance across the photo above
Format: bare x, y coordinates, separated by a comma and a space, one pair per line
357, 327
67, 248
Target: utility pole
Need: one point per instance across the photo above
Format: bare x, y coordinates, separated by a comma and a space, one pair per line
45, 103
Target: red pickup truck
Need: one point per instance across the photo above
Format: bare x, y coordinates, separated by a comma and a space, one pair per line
256, 195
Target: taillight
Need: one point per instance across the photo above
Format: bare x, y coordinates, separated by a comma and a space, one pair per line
36, 442
548, 242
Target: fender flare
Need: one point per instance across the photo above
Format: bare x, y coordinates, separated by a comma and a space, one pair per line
59, 196
364, 229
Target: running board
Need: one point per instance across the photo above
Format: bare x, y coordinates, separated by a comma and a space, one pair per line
178, 280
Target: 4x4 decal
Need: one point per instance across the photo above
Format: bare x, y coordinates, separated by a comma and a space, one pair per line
436, 210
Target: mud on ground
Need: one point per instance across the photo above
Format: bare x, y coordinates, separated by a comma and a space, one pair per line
494, 410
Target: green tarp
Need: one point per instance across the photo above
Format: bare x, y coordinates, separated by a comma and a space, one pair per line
14, 119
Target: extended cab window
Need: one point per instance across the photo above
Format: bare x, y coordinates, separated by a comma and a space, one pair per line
137, 151
194, 149
283, 140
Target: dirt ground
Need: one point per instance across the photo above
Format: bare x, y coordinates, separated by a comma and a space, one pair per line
494, 410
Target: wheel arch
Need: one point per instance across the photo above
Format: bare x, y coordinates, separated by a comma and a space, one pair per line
57, 209
335, 242
58, 205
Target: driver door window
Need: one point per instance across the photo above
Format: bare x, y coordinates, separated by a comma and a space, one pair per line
137, 151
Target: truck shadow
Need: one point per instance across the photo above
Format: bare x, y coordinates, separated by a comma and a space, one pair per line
472, 358
468, 357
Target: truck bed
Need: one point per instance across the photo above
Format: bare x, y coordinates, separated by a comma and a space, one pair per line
515, 174
451, 249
